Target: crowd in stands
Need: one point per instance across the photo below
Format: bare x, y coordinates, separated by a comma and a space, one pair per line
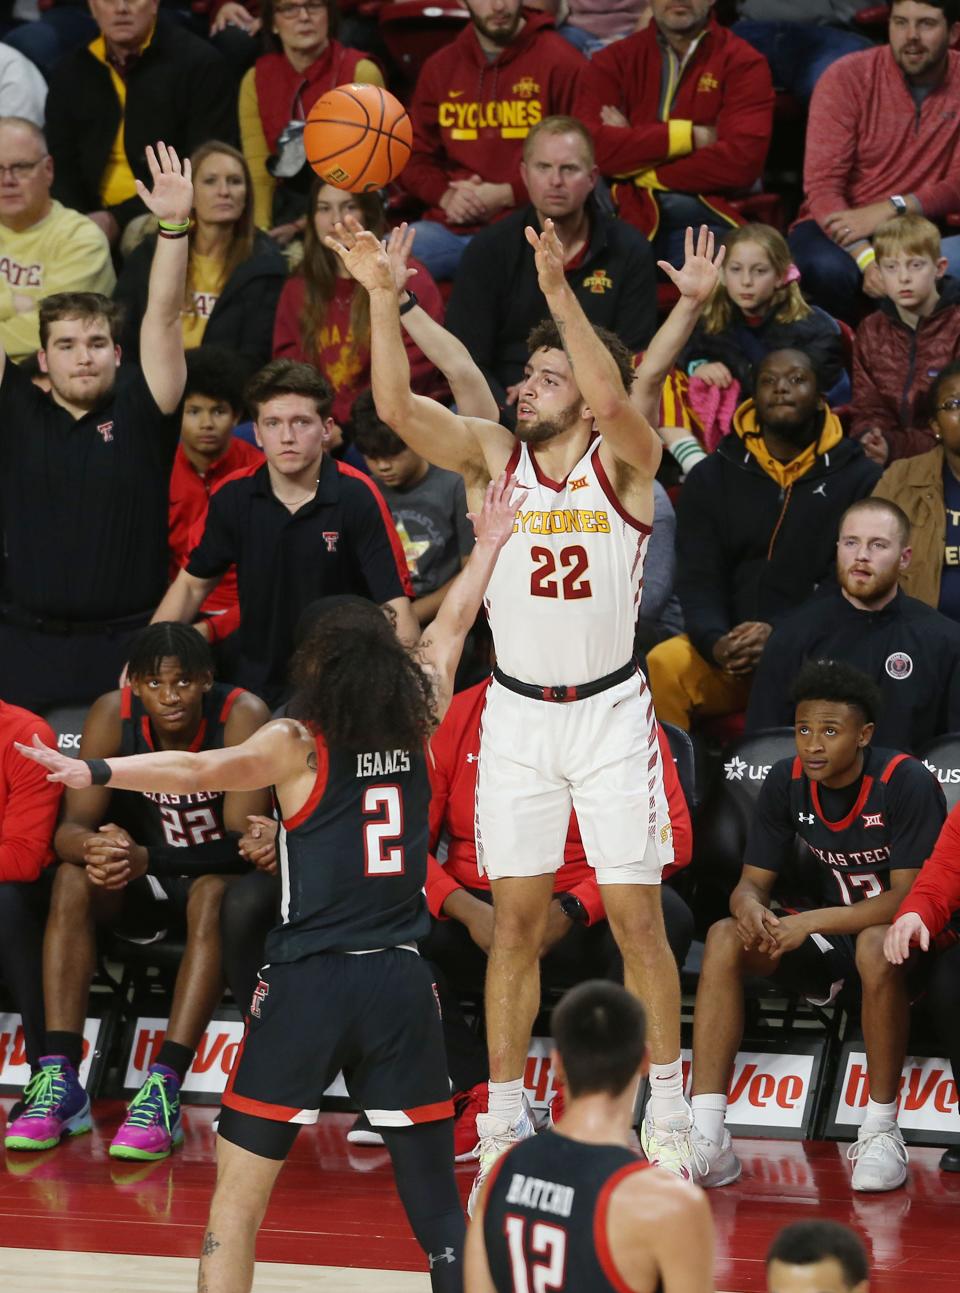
188, 438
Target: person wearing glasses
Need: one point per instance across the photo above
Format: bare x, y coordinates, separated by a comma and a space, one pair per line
303, 62
927, 488
44, 247
902, 346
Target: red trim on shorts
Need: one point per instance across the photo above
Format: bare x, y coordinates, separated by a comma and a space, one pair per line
892, 766
229, 703
604, 481
862, 798
319, 786
126, 702
600, 1241
259, 1108
431, 1112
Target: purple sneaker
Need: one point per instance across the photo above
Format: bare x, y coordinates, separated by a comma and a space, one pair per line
152, 1127
54, 1105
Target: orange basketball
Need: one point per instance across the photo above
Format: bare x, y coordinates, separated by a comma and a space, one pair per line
358, 137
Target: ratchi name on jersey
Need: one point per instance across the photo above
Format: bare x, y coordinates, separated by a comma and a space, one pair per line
382, 763
545, 1196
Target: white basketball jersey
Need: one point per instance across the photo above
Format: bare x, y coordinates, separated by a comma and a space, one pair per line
564, 594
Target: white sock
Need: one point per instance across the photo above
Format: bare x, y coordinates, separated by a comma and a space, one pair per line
709, 1115
880, 1115
666, 1091
505, 1100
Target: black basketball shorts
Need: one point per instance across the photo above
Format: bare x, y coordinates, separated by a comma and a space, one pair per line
374, 1015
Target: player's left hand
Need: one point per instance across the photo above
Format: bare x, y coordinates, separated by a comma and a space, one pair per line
259, 844
71, 772
493, 524
791, 932
905, 931
172, 197
701, 268
399, 244
548, 252
363, 254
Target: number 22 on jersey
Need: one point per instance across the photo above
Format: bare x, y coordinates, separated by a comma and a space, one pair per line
569, 582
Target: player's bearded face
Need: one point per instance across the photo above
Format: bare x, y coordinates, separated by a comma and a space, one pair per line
545, 429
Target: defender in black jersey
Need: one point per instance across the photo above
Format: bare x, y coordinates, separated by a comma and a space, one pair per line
864, 820
574, 1208
345, 988
142, 864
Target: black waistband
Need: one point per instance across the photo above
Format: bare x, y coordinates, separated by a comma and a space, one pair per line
563, 694
22, 619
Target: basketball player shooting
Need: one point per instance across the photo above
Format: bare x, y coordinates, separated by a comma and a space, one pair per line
344, 987
569, 719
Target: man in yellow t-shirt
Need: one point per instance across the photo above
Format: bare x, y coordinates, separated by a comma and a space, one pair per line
44, 247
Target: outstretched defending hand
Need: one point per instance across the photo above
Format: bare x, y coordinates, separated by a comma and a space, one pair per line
172, 196
701, 268
493, 524
399, 244
548, 251
72, 772
363, 254
902, 933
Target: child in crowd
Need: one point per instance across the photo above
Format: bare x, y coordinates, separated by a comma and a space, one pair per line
757, 307
900, 349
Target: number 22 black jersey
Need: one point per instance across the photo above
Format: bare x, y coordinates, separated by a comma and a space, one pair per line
168, 821
545, 1215
887, 821
353, 860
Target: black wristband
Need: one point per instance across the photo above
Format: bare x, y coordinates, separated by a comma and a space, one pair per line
409, 303
100, 772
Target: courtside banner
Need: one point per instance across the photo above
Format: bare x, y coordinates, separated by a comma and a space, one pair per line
928, 1098
207, 1075
773, 1090
14, 1069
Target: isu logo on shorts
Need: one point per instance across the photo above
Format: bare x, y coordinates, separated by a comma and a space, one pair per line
899, 665
259, 996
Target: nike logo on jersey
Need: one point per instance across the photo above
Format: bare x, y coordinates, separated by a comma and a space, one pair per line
382, 762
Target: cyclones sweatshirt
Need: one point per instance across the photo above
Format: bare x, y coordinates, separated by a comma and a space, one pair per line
471, 115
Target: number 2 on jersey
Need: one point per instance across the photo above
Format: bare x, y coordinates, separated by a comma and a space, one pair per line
384, 805
544, 578
185, 826
548, 1242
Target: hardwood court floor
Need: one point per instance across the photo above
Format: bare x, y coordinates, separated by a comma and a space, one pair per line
335, 1219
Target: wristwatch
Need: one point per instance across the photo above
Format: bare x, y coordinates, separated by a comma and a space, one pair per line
573, 908
899, 204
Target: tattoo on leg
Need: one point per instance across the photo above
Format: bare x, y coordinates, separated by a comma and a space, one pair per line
210, 1244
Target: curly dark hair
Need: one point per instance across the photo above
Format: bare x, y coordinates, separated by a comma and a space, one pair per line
546, 336
169, 640
356, 683
837, 681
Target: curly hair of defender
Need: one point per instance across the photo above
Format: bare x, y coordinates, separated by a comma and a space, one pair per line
356, 683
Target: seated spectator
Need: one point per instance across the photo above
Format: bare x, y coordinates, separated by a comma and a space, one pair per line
208, 453
475, 101
233, 32
303, 62
143, 78
428, 504
800, 41
755, 527
927, 489
85, 496
578, 943
867, 819
235, 273
902, 345
911, 652
496, 301
52, 32
817, 1254
757, 307
28, 817
23, 91
589, 25
44, 247
141, 864
300, 527
323, 316
681, 115
883, 139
